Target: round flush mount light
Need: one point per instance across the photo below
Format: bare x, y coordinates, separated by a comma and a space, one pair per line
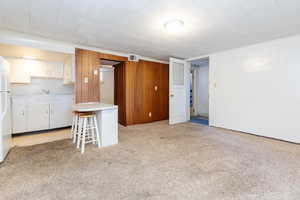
174, 26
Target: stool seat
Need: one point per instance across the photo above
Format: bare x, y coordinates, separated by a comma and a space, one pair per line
85, 116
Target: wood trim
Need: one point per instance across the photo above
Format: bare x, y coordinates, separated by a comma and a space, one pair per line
78, 72
119, 92
112, 57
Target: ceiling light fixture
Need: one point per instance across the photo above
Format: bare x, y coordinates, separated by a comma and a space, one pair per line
174, 26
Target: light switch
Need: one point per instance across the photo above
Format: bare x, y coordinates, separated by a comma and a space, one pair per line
150, 114
95, 72
86, 80
155, 88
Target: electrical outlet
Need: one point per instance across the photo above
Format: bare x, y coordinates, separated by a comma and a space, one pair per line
86, 80
96, 72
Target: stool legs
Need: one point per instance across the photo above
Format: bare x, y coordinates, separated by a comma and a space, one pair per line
75, 128
91, 121
85, 130
97, 131
79, 132
83, 136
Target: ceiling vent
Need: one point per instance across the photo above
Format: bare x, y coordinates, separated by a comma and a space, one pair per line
134, 58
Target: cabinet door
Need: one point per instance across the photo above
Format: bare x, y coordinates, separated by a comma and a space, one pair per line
19, 117
19, 72
38, 116
60, 114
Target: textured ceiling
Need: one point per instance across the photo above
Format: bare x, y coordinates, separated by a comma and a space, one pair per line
136, 26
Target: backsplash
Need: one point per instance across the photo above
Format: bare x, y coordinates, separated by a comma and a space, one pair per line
40, 86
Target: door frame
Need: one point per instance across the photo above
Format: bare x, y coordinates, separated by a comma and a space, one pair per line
211, 86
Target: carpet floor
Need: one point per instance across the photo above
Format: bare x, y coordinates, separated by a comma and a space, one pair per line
156, 161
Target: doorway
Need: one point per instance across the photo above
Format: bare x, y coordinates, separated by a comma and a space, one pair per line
112, 85
199, 91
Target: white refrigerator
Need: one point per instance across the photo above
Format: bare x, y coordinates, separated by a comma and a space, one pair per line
5, 109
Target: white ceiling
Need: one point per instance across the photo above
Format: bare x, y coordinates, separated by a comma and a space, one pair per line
136, 26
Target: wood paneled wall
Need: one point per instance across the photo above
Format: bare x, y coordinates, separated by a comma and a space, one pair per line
141, 88
144, 102
86, 63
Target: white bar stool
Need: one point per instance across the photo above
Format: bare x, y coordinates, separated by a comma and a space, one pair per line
74, 129
88, 131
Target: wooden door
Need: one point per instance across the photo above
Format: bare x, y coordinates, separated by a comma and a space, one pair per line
119, 96
163, 92
143, 93
87, 76
155, 90
160, 91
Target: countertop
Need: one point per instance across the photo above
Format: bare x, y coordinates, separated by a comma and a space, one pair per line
87, 107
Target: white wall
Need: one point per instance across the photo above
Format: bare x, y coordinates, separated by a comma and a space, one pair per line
202, 104
258, 89
56, 87
107, 85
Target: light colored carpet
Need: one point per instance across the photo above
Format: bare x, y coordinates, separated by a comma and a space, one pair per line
157, 161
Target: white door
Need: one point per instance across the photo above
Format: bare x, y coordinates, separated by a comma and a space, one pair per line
179, 87
38, 116
60, 114
19, 118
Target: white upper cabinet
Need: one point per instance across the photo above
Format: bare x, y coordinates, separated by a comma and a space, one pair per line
69, 70
23, 69
19, 71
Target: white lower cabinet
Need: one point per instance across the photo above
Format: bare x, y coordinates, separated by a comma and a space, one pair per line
38, 117
19, 119
60, 114
29, 117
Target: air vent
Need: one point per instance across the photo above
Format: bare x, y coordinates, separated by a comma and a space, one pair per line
134, 58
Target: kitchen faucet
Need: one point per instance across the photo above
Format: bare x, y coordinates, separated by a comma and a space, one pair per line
46, 91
